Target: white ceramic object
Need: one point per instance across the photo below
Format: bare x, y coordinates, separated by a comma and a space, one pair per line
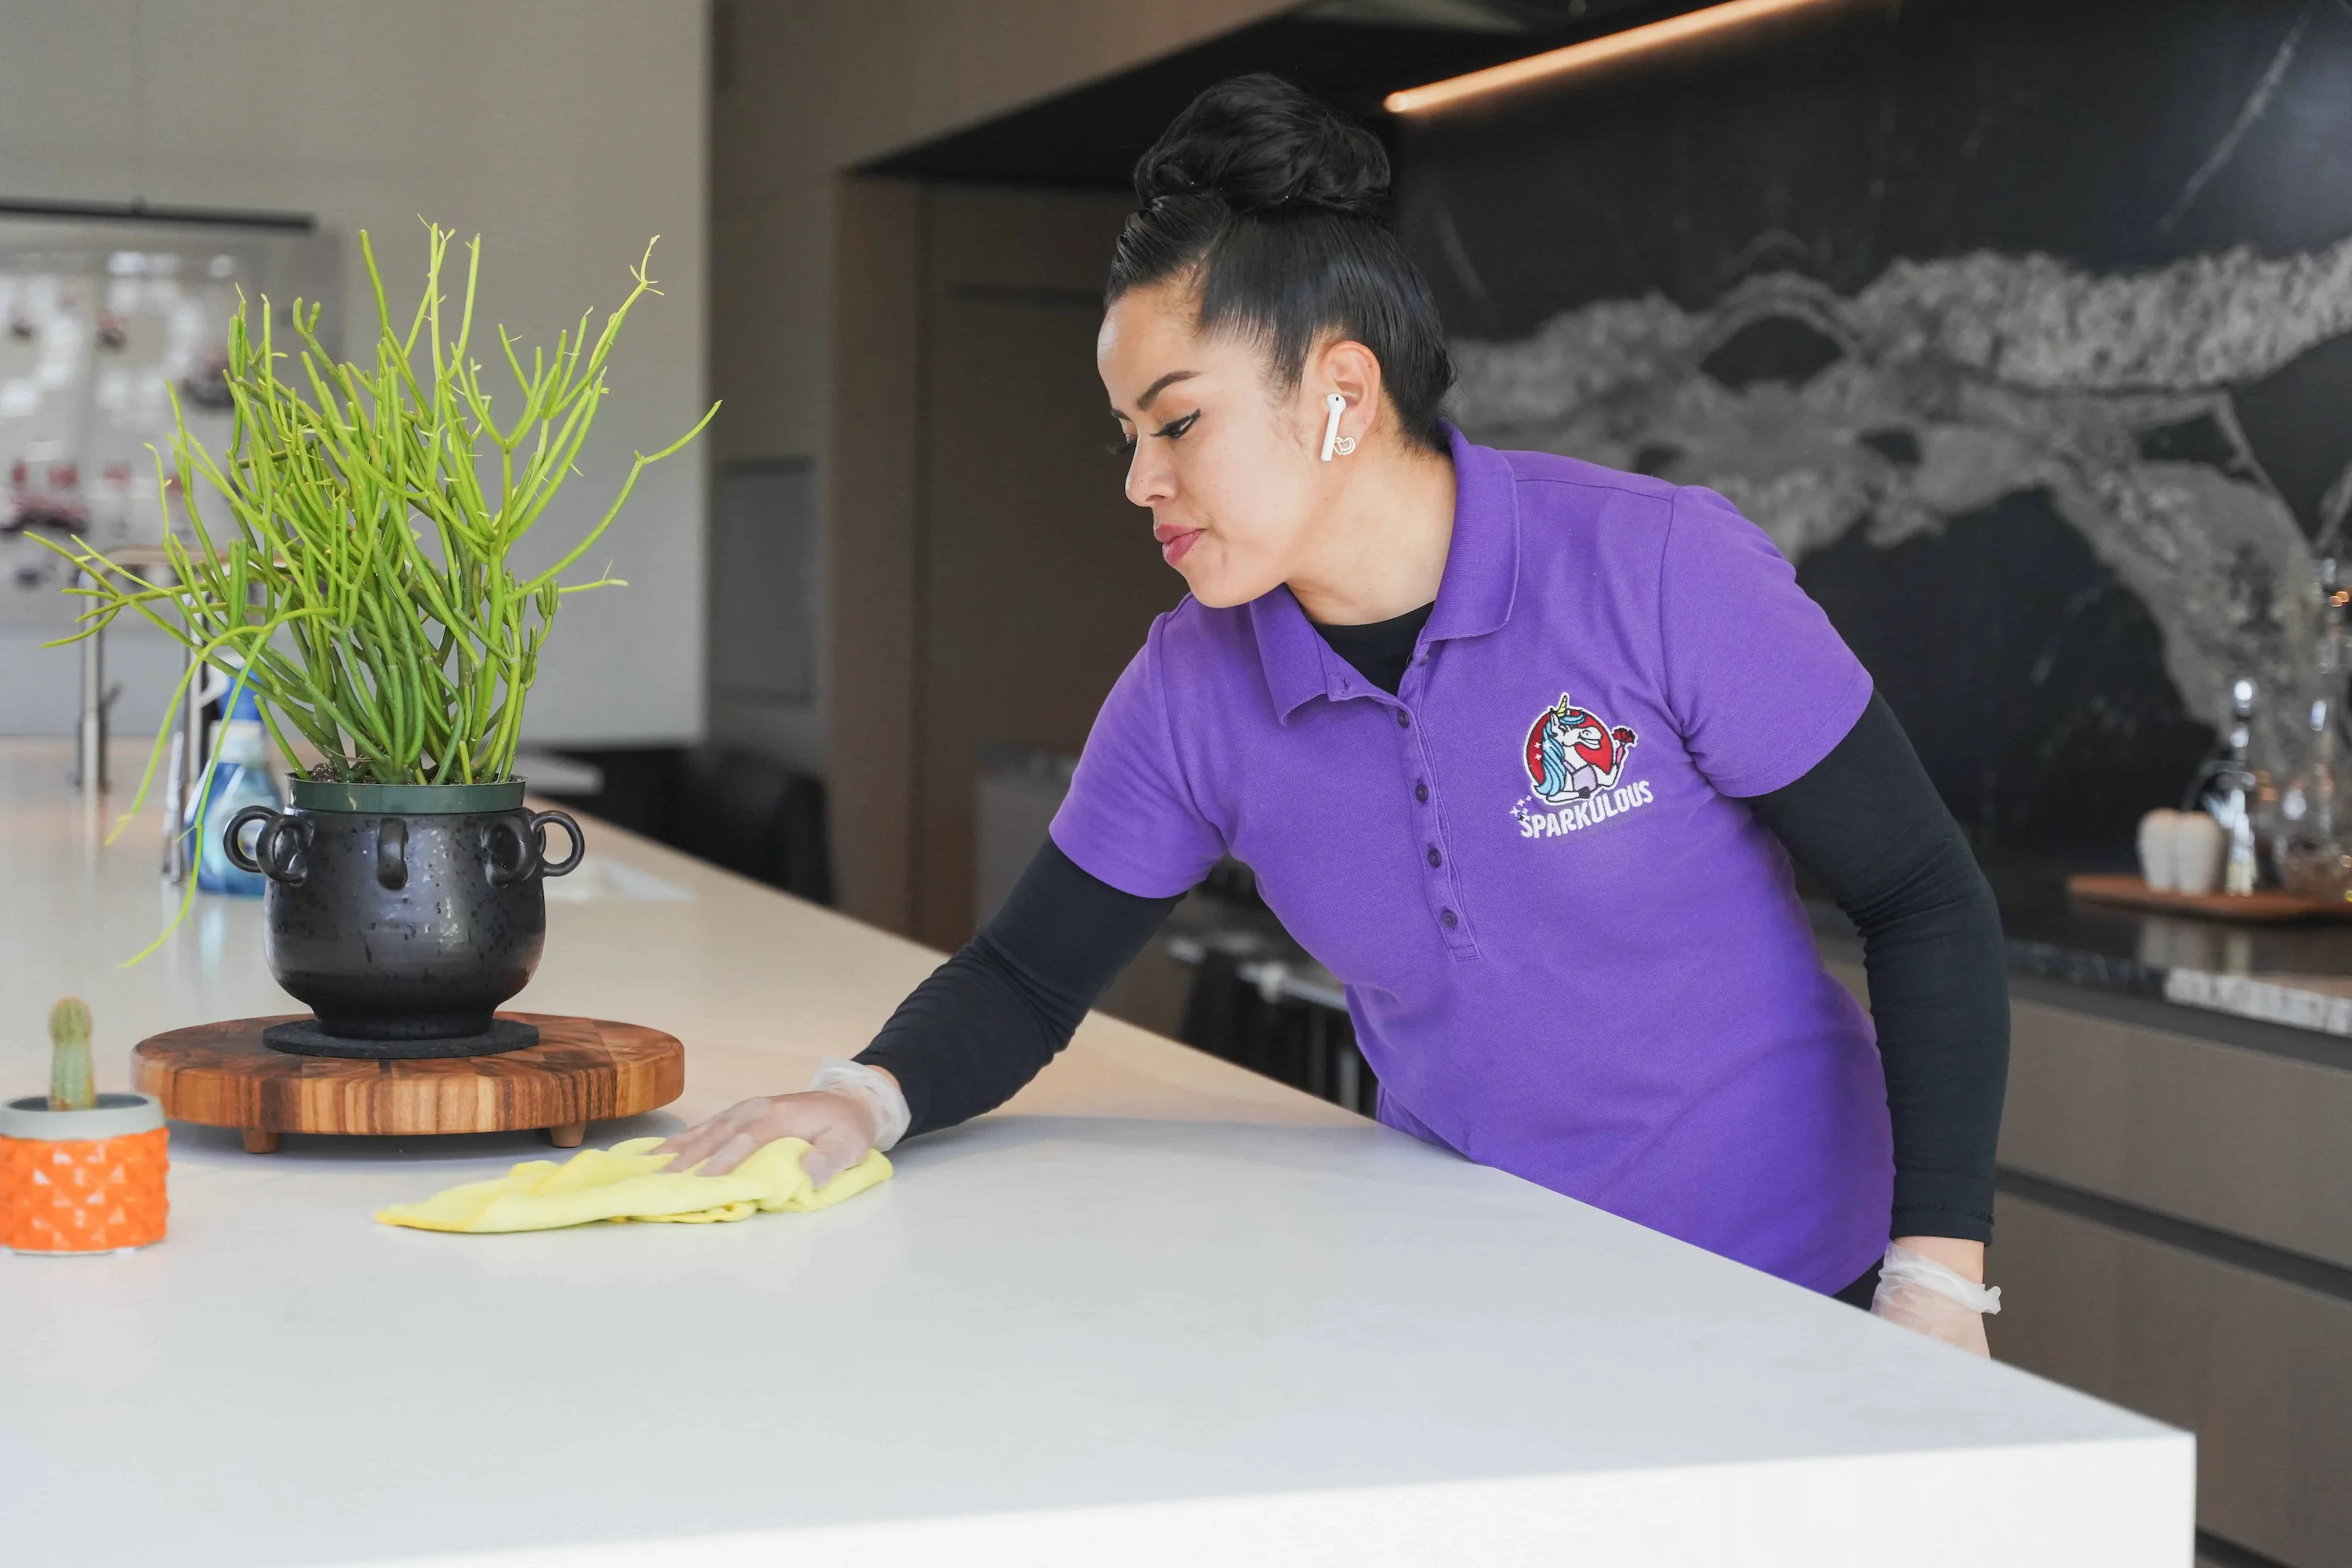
2158, 864
2198, 847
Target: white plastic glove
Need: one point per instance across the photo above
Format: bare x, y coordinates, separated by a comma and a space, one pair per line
1920, 1293
849, 1109
872, 1087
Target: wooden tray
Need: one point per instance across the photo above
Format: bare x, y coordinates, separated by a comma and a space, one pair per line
2269, 907
582, 1070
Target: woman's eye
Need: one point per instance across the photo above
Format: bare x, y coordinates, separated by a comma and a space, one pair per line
1174, 430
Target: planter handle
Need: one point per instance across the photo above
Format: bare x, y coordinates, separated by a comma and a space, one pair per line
391, 853
539, 834
511, 851
517, 851
273, 856
233, 837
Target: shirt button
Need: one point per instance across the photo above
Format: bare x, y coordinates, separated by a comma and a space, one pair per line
1404, 720
1450, 917
1434, 857
1421, 793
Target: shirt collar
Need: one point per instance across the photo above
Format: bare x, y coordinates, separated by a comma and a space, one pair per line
1474, 596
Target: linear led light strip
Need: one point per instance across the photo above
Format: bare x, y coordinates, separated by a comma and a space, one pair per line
1592, 52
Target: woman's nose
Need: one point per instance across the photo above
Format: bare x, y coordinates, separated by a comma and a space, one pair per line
1151, 481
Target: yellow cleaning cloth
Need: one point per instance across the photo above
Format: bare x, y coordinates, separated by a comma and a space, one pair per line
628, 1181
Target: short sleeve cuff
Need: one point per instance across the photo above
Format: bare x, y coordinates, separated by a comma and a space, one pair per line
1119, 866
1806, 748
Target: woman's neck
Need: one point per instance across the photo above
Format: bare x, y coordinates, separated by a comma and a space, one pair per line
1380, 549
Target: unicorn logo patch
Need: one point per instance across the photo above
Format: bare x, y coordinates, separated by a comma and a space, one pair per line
1575, 762
1572, 755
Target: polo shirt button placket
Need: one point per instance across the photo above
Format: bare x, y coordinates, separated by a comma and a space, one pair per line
1446, 897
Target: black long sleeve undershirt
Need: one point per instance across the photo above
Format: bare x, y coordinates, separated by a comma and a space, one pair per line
1864, 821
1871, 829
989, 1019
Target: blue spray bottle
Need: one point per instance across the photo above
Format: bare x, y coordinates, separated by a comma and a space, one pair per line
240, 778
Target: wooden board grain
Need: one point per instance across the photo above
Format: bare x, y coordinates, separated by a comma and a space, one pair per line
582, 1070
2270, 907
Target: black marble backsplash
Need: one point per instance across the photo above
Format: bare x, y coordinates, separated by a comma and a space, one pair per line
2023, 326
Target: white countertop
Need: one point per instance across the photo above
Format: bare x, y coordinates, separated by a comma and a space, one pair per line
1155, 1311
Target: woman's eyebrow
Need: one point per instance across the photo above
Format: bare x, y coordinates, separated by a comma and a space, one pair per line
1156, 387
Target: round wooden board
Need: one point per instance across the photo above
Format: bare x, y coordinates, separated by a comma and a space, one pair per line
582, 1070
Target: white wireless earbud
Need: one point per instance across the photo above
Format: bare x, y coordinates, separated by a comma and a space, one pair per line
1332, 440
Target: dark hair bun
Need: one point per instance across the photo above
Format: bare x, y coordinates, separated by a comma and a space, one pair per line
1270, 210
1261, 145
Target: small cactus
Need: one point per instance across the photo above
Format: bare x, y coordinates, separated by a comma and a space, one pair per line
71, 1088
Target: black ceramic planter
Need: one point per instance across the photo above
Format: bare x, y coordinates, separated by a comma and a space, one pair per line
403, 915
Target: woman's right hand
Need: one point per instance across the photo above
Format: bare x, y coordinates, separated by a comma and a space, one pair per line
839, 1129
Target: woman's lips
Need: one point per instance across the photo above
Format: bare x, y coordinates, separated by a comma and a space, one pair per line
1174, 543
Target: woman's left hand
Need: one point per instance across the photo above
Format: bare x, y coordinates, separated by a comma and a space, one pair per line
1922, 1285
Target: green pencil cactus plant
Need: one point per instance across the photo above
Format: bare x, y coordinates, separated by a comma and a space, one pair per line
71, 1084
363, 582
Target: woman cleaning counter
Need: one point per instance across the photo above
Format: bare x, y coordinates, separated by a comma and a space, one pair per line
1520, 748
1154, 1311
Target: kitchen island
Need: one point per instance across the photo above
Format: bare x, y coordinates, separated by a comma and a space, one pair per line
1157, 1310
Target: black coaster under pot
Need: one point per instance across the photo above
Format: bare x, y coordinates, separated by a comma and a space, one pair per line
306, 1038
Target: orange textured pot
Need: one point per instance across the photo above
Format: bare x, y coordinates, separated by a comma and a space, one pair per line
83, 1182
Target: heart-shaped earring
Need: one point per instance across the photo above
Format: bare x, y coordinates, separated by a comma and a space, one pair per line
1344, 445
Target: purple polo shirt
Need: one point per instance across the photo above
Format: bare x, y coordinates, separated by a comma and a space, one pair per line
1569, 951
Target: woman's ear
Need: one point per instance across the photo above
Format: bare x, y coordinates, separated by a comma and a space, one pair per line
1351, 370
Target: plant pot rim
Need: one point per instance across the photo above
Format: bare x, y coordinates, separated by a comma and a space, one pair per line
115, 1116
404, 799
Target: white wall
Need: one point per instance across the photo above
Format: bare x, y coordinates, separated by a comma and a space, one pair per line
565, 131
812, 87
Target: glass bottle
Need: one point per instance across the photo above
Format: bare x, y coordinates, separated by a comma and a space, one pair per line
2311, 850
2230, 790
2310, 847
